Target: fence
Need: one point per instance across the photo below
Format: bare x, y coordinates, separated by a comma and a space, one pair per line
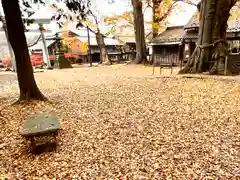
167, 59
232, 63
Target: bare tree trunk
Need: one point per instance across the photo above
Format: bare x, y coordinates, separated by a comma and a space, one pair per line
104, 59
212, 49
27, 85
141, 56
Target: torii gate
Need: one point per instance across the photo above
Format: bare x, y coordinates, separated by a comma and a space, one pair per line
40, 22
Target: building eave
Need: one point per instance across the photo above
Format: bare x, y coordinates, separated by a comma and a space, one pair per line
165, 43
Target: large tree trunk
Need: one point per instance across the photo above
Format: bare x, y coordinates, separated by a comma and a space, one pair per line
104, 59
15, 28
141, 56
212, 48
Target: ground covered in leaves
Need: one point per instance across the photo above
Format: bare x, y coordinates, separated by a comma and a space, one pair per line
121, 122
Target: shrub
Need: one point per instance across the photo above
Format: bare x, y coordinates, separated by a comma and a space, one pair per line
68, 55
36, 60
52, 57
7, 61
71, 57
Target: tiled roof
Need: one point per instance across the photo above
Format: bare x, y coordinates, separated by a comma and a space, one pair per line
194, 35
233, 22
93, 41
190, 35
171, 34
234, 26
193, 22
125, 39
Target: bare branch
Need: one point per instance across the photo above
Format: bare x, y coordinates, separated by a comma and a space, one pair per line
187, 2
234, 2
94, 17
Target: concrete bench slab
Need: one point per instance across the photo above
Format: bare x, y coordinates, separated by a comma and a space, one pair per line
40, 124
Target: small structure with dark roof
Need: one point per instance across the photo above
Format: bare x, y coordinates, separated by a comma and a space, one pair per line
128, 46
167, 46
191, 32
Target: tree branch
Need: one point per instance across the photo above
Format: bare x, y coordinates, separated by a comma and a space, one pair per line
234, 2
87, 27
167, 13
171, 7
148, 5
94, 17
187, 2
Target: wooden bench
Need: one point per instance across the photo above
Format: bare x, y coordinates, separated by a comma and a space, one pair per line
41, 130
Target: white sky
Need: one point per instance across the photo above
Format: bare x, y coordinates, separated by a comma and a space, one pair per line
180, 17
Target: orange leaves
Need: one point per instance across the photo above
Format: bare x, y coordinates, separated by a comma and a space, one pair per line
162, 8
122, 21
158, 26
127, 16
161, 11
72, 42
235, 13
109, 19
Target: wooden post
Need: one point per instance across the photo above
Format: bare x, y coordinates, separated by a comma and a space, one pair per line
181, 63
225, 68
153, 65
161, 59
89, 48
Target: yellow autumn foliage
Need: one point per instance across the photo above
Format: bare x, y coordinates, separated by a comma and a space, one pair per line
164, 8
73, 42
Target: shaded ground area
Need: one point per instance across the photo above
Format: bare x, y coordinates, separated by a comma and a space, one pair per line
120, 121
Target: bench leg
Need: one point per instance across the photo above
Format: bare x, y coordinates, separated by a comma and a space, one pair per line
55, 138
32, 144
43, 143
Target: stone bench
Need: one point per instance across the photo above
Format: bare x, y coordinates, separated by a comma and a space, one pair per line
41, 130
